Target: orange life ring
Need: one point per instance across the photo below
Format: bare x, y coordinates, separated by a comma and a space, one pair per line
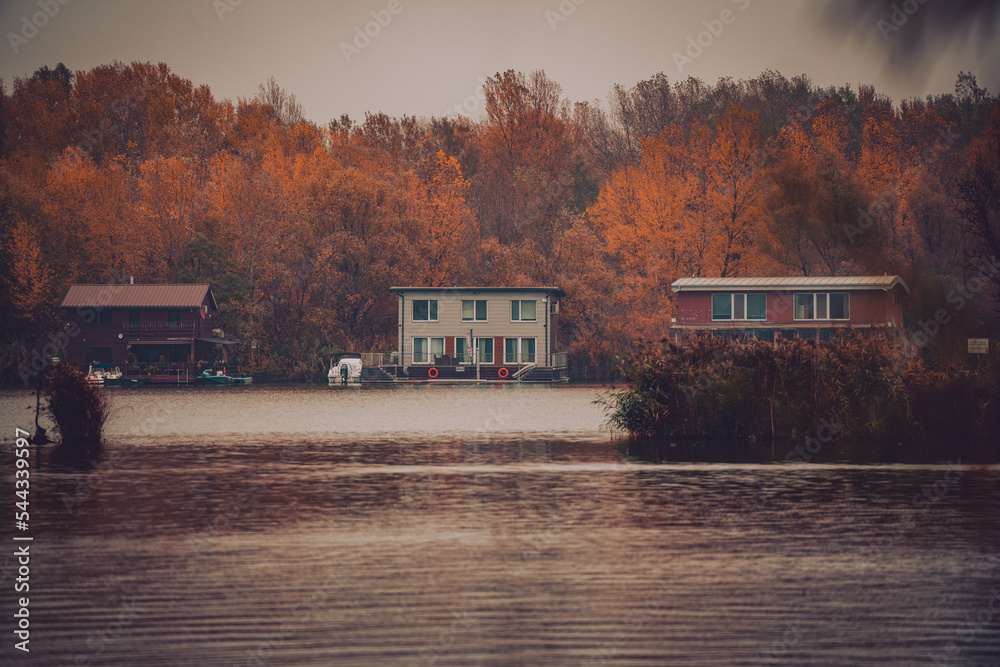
502, 373
432, 372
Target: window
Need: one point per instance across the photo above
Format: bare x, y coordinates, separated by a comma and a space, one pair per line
522, 311
174, 317
485, 350
834, 306
105, 317
425, 310
427, 350
420, 350
460, 352
519, 350
473, 311
756, 306
134, 316
840, 306
510, 350
761, 334
528, 350
803, 305
722, 306
739, 306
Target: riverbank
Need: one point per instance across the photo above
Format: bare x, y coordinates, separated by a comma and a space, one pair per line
869, 390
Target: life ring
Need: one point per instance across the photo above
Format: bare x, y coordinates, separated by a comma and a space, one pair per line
502, 373
432, 372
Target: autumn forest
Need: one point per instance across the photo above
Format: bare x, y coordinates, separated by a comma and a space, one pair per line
301, 228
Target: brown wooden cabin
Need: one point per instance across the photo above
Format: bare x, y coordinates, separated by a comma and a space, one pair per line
178, 323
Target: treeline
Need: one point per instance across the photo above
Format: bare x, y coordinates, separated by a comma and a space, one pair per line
130, 170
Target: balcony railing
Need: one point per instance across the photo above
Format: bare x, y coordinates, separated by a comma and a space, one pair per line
168, 328
380, 359
556, 359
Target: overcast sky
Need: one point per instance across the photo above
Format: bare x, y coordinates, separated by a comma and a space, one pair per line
427, 56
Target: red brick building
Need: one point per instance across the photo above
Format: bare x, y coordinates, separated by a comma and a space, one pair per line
105, 323
812, 307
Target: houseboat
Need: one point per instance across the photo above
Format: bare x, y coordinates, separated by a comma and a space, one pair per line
473, 334
765, 307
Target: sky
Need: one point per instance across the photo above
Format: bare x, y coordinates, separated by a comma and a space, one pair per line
429, 57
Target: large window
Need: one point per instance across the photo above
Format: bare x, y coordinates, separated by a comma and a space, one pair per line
522, 311
473, 311
804, 306
174, 317
425, 310
485, 350
722, 306
105, 316
840, 306
519, 350
420, 350
739, 306
461, 353
427, 350
821, 306
756, 306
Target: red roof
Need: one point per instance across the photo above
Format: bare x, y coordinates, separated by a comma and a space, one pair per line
138, 296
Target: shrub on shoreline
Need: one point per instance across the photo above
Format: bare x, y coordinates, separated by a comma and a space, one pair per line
875, 389
78, 408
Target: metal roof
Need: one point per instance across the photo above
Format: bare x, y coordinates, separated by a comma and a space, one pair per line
138, 296
788, 284
534, 288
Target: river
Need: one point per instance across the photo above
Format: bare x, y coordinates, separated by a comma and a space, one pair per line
481, 525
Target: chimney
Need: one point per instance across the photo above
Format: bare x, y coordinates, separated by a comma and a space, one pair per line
131, 280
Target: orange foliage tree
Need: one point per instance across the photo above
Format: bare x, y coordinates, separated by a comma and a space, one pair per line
132, 170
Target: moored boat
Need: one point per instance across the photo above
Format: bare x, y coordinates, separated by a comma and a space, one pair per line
219, 378
104, 374
344, 367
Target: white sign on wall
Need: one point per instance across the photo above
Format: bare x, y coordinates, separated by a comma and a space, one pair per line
979, 345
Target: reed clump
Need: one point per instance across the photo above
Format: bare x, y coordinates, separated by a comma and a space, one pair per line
870, 385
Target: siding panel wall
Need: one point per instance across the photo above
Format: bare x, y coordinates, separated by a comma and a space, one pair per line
498, 324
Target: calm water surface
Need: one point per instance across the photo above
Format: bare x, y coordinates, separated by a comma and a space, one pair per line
482, 526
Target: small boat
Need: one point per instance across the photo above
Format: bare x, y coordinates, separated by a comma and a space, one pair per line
103, 374
217, 378
136, 381
344, 367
